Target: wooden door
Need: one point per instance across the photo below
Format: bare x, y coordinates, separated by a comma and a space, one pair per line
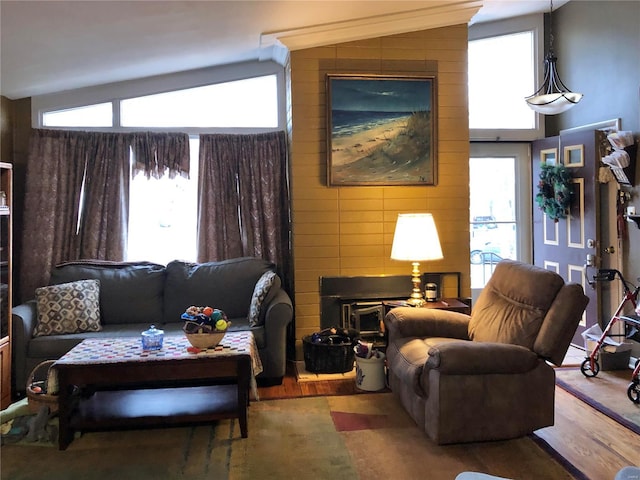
569, 246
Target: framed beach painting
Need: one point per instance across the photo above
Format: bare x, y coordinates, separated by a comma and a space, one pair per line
381, 130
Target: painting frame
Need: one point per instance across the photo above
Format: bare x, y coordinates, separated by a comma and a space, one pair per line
381, 130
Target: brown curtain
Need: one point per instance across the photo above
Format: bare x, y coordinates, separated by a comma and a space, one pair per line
77, 196
54, 176
244, 198
158, 153
105, 204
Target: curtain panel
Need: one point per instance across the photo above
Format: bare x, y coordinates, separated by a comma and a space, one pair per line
243, 196
102, 229
54, 175
158, 153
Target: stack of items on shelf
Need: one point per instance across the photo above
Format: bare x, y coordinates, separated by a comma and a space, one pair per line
621, 160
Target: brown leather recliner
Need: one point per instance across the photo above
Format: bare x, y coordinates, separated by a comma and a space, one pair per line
486, 376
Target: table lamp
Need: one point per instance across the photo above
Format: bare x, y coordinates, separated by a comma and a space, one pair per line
416, 240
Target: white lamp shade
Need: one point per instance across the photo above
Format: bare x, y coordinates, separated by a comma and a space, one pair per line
416, 238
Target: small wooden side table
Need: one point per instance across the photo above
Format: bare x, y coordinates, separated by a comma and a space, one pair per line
450, 304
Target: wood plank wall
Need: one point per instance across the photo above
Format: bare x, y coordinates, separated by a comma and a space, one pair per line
349, 230
6, 131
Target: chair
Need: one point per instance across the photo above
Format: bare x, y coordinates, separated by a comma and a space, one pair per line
486, 376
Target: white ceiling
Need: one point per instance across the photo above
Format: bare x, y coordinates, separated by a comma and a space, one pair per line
52, 46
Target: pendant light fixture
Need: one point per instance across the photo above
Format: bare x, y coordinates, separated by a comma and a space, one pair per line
553, 96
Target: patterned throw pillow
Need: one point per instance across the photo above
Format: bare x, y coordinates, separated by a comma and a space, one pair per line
68, 308
260, 292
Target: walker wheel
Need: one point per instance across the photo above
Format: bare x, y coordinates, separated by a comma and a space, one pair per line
585, 368
633, 392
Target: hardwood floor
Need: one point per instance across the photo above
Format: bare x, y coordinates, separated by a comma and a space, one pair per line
291, 388
593, 443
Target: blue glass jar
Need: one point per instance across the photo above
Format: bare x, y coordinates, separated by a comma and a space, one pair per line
152, 338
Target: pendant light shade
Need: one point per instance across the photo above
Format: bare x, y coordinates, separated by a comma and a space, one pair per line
553, 96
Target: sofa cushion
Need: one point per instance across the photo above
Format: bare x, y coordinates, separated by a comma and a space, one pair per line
227, 285
130, 292
68, 308
262, 292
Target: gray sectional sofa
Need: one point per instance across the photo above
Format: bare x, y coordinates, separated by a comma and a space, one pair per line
135, 295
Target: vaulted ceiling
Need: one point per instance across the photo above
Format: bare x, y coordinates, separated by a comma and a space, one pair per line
52, 46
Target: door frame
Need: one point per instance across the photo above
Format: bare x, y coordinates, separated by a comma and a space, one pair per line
610, 294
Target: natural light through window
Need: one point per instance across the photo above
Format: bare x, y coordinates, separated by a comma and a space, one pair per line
492, 215
163, 215
99, 115
252, 102
163, 212
501, 75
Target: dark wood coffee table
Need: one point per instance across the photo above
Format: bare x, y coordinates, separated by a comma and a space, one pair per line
128, 387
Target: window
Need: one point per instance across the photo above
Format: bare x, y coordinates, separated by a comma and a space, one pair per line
163, 215
163, 212
500, 77
252, 102
505, 61
100, 115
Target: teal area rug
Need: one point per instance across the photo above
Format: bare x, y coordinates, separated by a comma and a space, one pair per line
365, 436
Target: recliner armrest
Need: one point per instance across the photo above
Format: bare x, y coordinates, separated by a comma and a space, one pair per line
479, 358
426, 322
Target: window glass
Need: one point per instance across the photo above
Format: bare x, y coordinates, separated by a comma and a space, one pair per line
499, 207
163, 215
501, 75
163, 212
493, 215
252, 102
98, 115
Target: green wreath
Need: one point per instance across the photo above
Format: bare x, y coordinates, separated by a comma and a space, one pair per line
554, 191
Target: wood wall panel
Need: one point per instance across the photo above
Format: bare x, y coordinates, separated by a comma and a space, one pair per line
349, 230
6, 131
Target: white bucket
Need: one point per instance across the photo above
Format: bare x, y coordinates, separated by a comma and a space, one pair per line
370, 374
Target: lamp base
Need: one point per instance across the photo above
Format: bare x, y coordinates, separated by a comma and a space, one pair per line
416, 299
415, 302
